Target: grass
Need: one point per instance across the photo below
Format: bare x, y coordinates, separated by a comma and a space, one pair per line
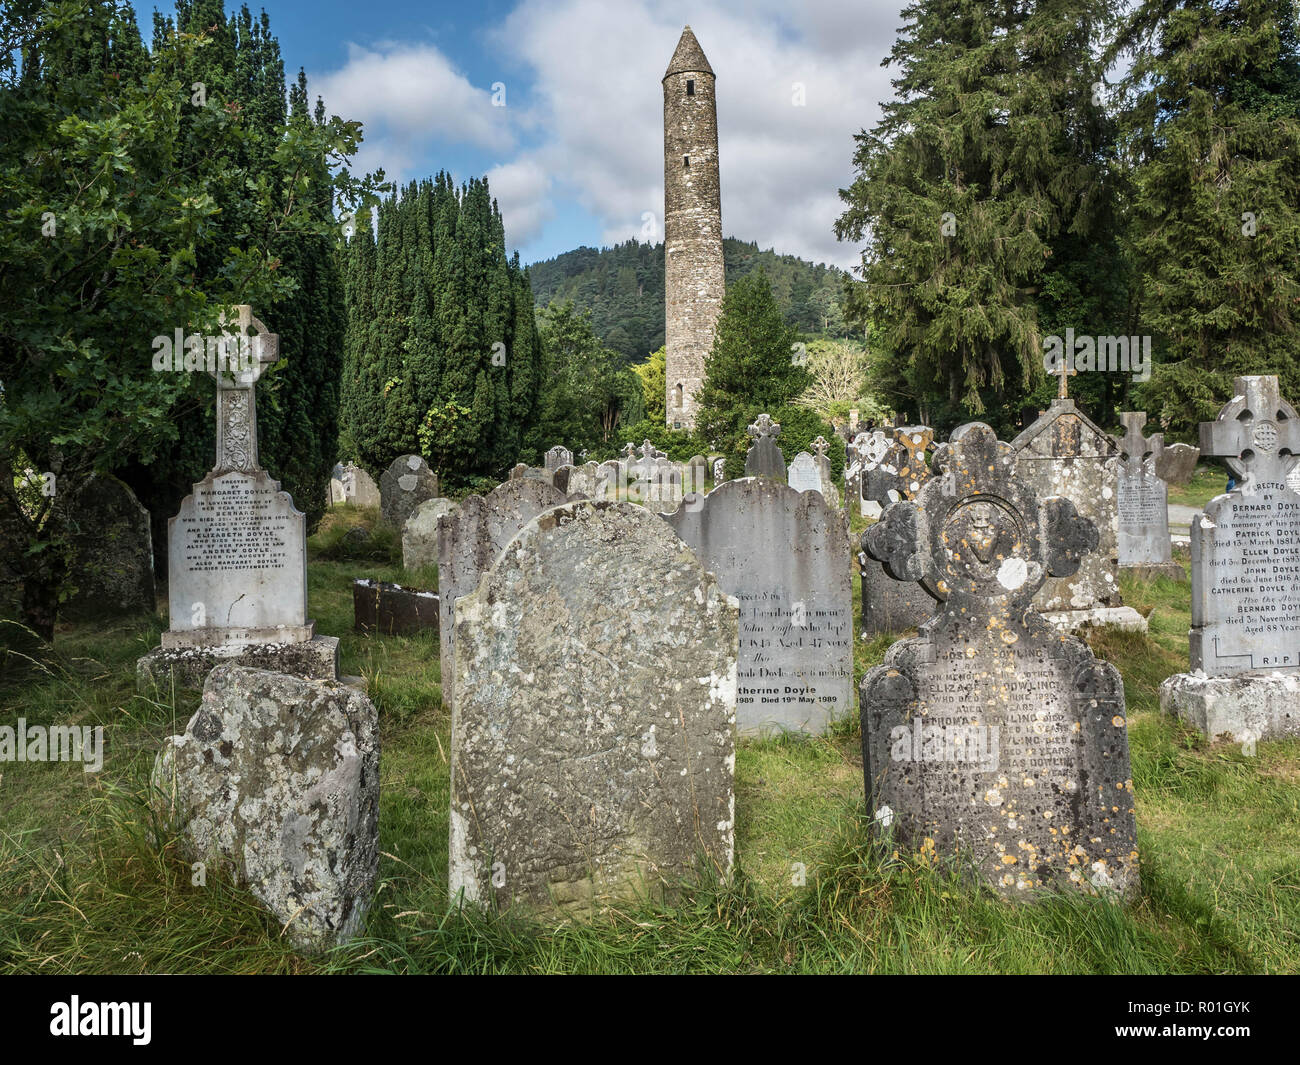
85, 888
1207, 482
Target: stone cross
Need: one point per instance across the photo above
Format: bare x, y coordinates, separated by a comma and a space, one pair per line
1065, 373
236, 407
820, 445
764, 428
1257, 433
1133, 444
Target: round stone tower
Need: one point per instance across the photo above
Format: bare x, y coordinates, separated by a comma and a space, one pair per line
693, 269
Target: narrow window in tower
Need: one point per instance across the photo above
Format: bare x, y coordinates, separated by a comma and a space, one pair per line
686, 161
677, 397
690, 87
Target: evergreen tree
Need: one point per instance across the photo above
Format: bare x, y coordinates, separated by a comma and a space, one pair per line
1214, 131
987, 162
755, 366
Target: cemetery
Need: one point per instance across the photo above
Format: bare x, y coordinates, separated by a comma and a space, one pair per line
850, 625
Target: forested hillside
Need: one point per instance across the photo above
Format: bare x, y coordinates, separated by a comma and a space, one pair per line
623, 287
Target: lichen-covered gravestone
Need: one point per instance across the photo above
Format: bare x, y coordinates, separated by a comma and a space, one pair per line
1065, 453
1245, 636
1143, 498
803, 475
469, 540
764, 458
992, 736
420, 534
593, 729
898, 473
785, 556
558, 456
111, 551
277, 779
406, 484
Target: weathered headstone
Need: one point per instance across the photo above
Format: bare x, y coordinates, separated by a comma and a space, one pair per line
697, 474
764, 458
803, 475
583, 482
277, 778
390, 609
901, 469
420, 533
785, 556
237, 557
469, 540
1245, 635
593, 729
870, 449
558, 456
359, 487
719, 471
1065, 453
111, 551
991, 736
828, 490
1143, 502
335, 491
406, 484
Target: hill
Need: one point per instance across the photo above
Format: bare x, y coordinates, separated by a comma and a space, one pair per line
623, 287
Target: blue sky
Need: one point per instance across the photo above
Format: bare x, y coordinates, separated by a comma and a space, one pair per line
575, 154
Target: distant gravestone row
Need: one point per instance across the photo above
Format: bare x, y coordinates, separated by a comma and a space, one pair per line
1147, 469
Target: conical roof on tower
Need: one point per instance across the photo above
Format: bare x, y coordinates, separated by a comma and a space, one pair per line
689, 57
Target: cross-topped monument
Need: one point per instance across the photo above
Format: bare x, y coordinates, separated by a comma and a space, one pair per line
1146, 467
1065, 372
764, 458
236, 550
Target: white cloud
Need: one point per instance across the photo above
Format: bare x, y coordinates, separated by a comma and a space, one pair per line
408, 97
597, 98
523, 190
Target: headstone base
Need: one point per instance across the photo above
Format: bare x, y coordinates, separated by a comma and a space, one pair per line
1075, 621
1261, 704
889, 605
390, 609
188, 667
1151, 570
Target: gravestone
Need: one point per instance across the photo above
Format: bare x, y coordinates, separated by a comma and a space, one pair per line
719, 471
871, 448
359, 487
1245, 635
1065, 453
390, 609
898, 472
764, 458
277, 779
521, 471
110, 551
335, 492
420, 534
469, 540
558, 456
803, 474
406, 484
584, 481
828, 489
784, 555
593, 729
237, 556
1143, 502
991, 736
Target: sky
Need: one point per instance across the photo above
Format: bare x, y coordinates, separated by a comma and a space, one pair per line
573, 150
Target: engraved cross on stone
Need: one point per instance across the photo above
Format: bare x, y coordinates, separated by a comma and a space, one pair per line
236, 407
1257, 433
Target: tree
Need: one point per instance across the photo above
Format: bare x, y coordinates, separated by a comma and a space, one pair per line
755, 366
653, 376
100, 250
989, 157
1213, 132
836, 368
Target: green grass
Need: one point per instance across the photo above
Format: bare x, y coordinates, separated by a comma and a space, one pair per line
84, 887
1207, 482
